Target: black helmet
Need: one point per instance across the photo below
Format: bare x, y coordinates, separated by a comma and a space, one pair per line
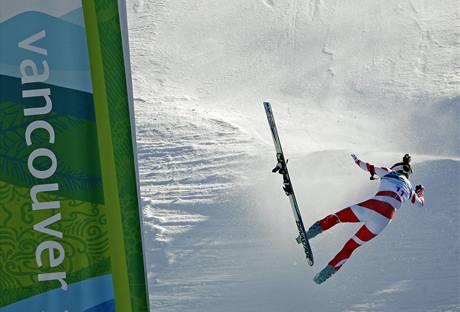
403, 167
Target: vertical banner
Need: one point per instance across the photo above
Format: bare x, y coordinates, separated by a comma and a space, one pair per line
70, 228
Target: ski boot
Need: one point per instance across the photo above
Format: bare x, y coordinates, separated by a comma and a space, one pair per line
324, 274
314, 230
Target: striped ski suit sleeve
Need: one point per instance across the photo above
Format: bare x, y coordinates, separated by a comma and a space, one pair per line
380, 171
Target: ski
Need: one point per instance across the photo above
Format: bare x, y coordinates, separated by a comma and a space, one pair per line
281, 167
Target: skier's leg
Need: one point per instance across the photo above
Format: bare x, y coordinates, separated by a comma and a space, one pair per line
344, 215
363, 235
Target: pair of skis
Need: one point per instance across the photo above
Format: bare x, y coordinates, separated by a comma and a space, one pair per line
281, 167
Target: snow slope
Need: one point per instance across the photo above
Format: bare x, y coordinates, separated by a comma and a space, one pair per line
372, 77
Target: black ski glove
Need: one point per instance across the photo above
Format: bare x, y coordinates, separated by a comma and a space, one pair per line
407, 159
419, 190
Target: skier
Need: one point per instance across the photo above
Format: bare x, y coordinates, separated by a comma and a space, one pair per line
376, 213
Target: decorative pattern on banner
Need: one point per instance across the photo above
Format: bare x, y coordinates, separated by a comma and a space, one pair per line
60, 234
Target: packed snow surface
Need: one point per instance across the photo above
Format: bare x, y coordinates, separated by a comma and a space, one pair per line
377, 78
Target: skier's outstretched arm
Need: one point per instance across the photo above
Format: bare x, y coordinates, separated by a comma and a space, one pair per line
417, 197
380, 171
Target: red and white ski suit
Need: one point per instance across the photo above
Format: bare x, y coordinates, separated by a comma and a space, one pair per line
376, 213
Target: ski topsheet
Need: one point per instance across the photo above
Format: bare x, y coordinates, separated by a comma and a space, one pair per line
281, 167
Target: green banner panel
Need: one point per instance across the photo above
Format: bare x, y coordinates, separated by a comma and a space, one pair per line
70, 228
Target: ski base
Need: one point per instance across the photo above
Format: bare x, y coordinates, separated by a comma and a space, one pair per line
281, 168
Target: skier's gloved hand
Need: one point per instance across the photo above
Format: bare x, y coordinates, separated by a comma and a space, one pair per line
407, 159
419, 190
355, 158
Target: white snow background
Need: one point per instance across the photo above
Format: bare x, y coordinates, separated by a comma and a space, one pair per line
378, 78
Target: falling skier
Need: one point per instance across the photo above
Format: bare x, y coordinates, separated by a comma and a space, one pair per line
376, 213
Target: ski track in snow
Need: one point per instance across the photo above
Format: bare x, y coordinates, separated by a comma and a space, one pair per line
185, 159
190, 164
